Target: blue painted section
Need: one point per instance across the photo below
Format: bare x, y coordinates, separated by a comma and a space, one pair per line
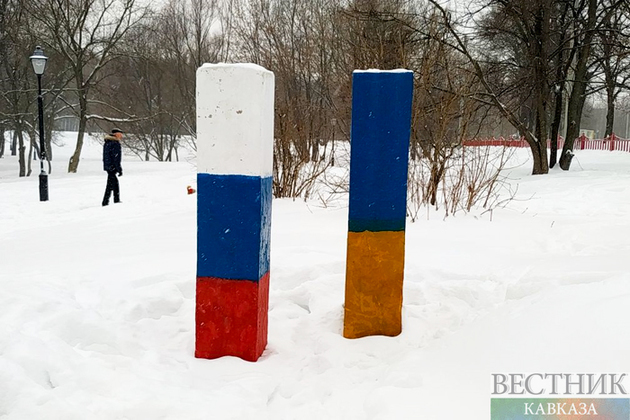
233, 226
356, 225
381, 126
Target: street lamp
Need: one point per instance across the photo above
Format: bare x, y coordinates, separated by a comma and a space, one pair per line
38, 60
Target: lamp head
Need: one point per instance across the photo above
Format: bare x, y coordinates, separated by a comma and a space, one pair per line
38, 60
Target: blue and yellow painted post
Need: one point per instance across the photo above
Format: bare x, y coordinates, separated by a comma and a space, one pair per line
234, 182
381, 125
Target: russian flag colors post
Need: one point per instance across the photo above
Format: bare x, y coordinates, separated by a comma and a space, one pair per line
381, 125
235, 113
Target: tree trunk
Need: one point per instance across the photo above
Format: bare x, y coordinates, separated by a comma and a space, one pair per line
315, 151
2, 140
73, 165
172, 143
21, 148
555, 128
576, 106
34, 144
542, 87
578, 93
610, 111
14, 143
559, 103
29, 166
169, 153
437, 171
48, 130
332, 150
557, 111
539, 153
413, 150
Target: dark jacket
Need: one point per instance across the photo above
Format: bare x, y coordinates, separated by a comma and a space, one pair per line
111, 155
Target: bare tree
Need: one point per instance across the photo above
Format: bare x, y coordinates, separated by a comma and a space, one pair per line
155, 75
188, 41
527, 43
4, 18
589, 17
296, 40
585, 22
443, 108
85, 33
15, 76
613, 56
531, 19
561, 58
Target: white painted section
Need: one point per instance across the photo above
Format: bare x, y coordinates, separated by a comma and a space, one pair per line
235, 119
236, 65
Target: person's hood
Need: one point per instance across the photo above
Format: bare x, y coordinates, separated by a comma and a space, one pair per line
110, 137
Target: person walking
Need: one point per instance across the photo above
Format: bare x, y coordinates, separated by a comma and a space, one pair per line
112, 153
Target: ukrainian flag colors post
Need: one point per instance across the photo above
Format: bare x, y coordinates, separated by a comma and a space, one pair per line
234, 182
381, 124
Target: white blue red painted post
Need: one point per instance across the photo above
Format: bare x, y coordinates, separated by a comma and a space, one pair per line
234, 182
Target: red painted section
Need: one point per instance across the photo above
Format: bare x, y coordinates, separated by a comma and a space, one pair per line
231, 318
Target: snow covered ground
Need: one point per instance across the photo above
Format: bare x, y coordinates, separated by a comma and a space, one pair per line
97, 304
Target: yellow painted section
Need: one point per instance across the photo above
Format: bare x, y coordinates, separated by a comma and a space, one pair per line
374, 283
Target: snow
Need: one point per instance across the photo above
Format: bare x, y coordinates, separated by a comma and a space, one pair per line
97, 303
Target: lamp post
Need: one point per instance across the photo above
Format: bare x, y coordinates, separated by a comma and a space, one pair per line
38, 60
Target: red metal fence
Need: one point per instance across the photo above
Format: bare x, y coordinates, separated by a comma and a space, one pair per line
611, 142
